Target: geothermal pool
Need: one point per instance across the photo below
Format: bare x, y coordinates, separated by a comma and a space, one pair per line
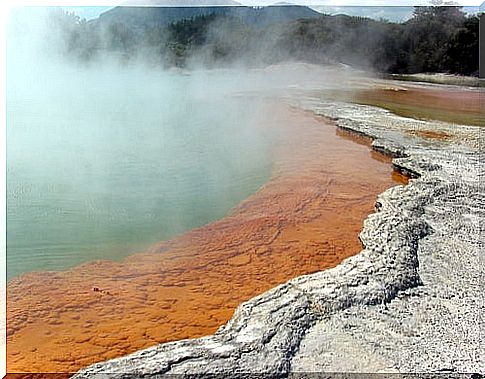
305, 218
101, 164
144, 206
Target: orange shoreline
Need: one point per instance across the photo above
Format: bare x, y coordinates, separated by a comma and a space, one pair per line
305, 219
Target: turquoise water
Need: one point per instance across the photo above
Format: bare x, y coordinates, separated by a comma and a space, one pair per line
102, 163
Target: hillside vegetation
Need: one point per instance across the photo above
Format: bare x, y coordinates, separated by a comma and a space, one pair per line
435, 39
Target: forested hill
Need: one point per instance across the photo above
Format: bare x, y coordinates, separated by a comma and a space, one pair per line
435, 39
143, 18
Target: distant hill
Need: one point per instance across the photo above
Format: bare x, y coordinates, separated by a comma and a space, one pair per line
180, 3
147, 17
434, 39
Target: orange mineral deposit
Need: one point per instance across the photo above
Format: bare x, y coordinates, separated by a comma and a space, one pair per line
306, 218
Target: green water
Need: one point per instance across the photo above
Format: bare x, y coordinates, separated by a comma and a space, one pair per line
102, 163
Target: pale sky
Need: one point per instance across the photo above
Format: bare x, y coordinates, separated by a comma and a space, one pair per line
246, 2
90, 9
376, 11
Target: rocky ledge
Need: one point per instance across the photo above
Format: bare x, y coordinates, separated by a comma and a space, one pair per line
410, 302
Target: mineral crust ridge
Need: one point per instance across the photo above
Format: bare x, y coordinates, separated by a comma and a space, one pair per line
411, 302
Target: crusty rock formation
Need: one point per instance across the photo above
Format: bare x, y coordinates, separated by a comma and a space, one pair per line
411, 301
436, 326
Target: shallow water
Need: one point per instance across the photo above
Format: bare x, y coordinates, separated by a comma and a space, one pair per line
306, 218
103, 165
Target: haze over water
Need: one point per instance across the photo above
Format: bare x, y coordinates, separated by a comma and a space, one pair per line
103, 163
107, 158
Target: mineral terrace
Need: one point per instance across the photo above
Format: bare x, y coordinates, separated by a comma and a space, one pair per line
410, 302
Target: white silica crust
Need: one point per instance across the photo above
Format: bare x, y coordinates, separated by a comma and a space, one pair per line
411, 301
436, 326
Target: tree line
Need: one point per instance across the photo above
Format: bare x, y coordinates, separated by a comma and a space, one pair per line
434, 39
